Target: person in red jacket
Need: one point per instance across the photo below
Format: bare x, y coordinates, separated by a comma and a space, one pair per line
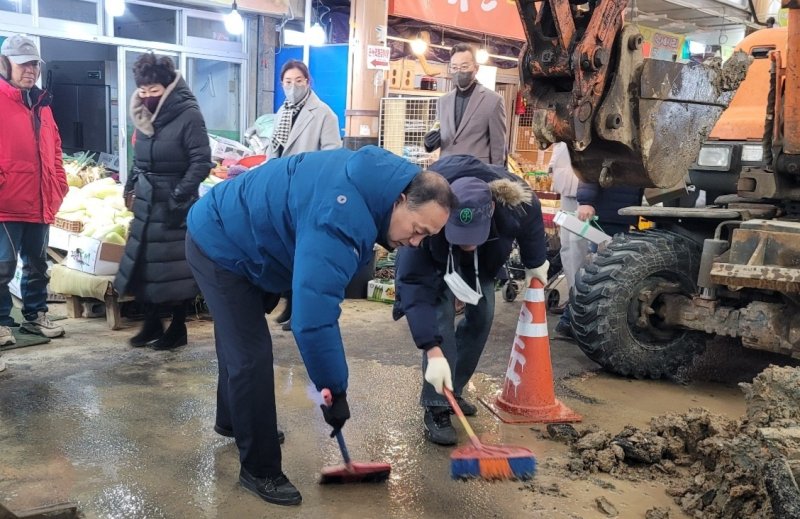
32, 185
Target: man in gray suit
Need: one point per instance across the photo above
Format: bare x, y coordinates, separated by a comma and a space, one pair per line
472, 118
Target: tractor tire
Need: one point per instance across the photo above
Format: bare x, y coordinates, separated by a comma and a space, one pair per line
606, 308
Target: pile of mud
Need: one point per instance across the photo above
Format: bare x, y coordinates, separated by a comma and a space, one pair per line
721, 468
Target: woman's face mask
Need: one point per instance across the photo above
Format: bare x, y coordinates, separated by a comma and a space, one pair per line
295, 93
151, 103
458, 286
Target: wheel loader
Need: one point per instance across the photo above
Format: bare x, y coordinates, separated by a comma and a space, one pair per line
649, 301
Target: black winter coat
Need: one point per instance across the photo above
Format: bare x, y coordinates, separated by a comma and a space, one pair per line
419, 276
171, 158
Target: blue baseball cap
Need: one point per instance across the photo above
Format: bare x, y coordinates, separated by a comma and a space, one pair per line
471, 222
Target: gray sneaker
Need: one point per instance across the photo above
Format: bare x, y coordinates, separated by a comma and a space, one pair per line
42, 326
438, 428
6, 337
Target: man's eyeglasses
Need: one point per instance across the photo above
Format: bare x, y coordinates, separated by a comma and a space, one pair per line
465, 67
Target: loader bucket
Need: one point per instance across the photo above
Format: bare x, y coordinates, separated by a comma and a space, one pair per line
651, 121
677, 106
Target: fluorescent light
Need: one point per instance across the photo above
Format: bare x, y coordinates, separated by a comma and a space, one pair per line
233, 21
418, 46
316, 35
482, 56
115, 7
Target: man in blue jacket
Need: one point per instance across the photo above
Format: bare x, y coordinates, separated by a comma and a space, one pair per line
306, 223
495, 208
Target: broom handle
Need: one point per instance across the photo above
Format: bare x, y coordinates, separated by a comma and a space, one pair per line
463, 419
343, 448
327, 397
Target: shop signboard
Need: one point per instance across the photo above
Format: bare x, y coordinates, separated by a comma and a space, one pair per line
378, 57
496, 17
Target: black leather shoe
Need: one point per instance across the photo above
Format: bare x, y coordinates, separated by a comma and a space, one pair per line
438, 428
469, 409
228, 433
278, 490
174, 337
151, 331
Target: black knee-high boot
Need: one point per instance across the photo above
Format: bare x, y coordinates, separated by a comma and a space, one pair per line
286, 314
176, 333
152, 329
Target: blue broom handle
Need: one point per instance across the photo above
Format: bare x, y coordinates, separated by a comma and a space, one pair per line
343, 448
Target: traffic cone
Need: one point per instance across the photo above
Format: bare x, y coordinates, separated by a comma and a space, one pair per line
528, 395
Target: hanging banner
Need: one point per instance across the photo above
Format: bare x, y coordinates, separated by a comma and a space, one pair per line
495, 17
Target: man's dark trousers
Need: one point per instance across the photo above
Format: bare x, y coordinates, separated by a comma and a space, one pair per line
246, 384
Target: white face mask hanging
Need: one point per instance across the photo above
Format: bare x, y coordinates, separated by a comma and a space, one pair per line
458, 286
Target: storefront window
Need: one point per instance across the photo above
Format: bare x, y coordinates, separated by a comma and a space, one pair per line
71, 10
144, 22
16, 6
208, 29
215, 84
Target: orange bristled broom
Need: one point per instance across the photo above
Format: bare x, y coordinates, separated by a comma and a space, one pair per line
488, 461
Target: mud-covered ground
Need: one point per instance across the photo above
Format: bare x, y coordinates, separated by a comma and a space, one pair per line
713, 466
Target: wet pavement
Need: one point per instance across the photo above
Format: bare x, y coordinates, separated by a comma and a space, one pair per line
127, 433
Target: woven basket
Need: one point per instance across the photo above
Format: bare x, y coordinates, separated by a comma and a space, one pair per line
68, 225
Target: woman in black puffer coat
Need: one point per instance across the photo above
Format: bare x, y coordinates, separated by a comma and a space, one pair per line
171, 158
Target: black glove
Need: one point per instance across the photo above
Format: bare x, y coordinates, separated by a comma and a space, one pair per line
433, 140
337, 414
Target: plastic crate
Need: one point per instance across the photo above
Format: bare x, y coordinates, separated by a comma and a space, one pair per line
68, 225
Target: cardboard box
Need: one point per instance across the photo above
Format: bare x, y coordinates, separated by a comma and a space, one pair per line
381, 291
584, 229
93, 256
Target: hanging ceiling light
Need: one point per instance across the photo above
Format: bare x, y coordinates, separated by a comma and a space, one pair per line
115, 7
233, 21
482, 56
419, 46
316, 35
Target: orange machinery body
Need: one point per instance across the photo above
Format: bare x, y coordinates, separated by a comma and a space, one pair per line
743, 120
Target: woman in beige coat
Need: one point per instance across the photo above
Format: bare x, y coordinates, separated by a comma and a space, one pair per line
303, 123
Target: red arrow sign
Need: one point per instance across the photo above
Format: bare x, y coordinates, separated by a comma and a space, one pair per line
379, 63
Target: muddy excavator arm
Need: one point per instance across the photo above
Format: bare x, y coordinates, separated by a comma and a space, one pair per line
626, 119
